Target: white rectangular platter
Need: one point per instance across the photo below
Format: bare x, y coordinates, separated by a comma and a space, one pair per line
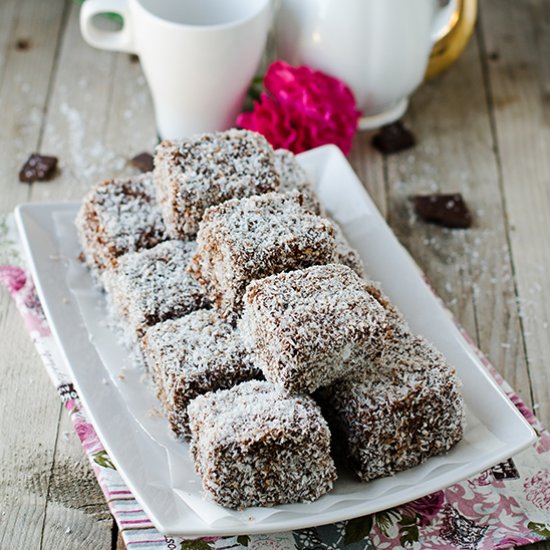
158, 469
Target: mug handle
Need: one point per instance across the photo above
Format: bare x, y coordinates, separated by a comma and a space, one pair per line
121, 40
452, 29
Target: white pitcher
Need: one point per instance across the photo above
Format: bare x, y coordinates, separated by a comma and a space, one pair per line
380, 48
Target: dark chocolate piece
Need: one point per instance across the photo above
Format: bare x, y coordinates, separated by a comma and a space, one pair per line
143, 162
38, 168
393, 138
446, 209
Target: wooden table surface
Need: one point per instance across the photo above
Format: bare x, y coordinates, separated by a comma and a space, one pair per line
483, 129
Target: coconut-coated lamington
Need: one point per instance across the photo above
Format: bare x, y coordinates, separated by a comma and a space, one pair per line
405, 410
193, 355
153, 285
246, 239
396, 326
294, 178
195, 173
346, 254
253, 446
310, 327
116, 217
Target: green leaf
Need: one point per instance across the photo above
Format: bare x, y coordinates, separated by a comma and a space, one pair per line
384, 521
540, 529
195, 545
103, 459
243, 540
409, 535
357, 529
407, 520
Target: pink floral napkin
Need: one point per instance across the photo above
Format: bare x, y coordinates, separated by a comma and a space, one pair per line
507, 505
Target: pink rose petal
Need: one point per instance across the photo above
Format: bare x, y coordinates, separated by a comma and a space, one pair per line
303, 109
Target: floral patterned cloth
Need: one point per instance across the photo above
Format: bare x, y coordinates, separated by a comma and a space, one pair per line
507, 505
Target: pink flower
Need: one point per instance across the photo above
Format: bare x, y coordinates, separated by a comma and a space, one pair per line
303, 109
85, 431
427, 507
13, 278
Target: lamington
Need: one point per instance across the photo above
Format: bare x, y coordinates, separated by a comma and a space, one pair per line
195, 173
346, 254
190, 356
294, 178
153, 285
310, 327
119, 216
246, 239
397, 327
404, 411
253, 446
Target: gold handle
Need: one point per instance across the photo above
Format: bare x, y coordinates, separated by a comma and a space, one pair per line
449, 46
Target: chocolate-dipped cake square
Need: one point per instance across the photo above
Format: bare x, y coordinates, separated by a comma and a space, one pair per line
405, 410
195, 173
116, 217
153, 285
193, 355
345, 253
311, 327
246, 239
294, 178
253, 446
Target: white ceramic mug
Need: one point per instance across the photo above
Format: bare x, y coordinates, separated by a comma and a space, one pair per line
380, 48
198, 56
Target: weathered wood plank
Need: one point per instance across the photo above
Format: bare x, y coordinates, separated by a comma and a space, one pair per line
131, 125
369, 166
522, 128
517, 65
8, 15
24, 89
28, 425
470, 269
77, 118
99, 117
29, 412
76, 514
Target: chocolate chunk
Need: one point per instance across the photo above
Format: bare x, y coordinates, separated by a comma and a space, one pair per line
38, 168
22, 44
143, 162
133, 58
393, 138
448, 210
